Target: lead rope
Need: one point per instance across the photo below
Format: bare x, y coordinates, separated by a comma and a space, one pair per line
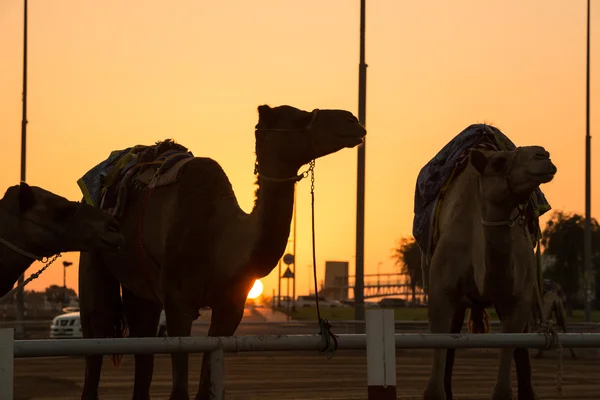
547, 327
324, 325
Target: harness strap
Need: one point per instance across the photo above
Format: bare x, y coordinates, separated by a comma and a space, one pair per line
22, 252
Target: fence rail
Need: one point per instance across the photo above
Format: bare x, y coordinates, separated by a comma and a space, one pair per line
397, 323
84, 347
380, 341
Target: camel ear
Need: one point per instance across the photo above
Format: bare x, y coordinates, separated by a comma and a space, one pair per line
478, 160
26, 197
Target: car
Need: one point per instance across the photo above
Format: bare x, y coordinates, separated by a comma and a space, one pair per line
311, 301
66, 326
392, 302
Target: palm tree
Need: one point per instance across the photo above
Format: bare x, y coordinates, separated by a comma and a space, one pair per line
407, 256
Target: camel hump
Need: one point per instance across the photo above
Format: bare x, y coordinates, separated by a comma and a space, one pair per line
479, 320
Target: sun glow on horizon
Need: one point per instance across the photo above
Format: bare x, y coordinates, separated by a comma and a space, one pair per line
256, 290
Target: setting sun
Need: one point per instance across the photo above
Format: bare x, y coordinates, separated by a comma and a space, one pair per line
256, 290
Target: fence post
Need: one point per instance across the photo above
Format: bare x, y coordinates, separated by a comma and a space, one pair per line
216, 369
381, 355
7, 352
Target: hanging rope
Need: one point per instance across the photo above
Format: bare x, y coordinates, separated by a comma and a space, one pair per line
547, 325
324, 325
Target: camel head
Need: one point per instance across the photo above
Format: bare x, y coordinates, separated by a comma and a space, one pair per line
287, 138
509, 177
48, 224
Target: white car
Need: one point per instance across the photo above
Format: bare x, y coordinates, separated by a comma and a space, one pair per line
66, 326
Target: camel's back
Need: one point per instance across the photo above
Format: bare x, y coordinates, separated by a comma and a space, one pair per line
188, 206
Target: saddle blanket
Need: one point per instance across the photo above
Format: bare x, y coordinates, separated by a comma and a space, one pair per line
106, 185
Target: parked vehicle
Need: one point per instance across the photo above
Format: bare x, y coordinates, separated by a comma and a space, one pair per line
311, 301
66, 326
392, 302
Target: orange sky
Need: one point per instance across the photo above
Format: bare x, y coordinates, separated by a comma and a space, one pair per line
105, 76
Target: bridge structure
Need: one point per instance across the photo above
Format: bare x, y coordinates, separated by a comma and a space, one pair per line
375, 285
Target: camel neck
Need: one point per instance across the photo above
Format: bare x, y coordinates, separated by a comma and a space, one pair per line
499, 258
273, 212
12, 264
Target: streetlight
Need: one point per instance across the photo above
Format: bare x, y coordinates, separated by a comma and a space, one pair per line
587, 239
359, 284
19, 331
65, 265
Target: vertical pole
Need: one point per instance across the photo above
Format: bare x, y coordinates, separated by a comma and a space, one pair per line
359, 284
64, 284
279, 285
587, 241
7, 363
294, 263
20, 300
217, 374
288, 297
381, 355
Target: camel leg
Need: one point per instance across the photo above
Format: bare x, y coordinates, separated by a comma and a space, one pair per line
514, 320
457, 324
442, 310
100, 312
179, 324
142, 318
523, 367
226, 317
223, 322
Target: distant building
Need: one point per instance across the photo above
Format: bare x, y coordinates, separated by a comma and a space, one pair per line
335, 286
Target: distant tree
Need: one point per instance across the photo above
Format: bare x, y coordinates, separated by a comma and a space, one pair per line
34, 299
57, 294
563, 238
407, 256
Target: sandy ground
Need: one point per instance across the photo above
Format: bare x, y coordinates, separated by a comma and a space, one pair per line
304, 375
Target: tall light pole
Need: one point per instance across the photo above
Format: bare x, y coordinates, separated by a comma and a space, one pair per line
359, 284
587, 241
294, 252
20, 301
65, 265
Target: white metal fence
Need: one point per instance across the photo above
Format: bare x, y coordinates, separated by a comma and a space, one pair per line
380, 341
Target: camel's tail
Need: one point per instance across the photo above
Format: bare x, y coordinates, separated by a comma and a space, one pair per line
479, 320
120, 331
